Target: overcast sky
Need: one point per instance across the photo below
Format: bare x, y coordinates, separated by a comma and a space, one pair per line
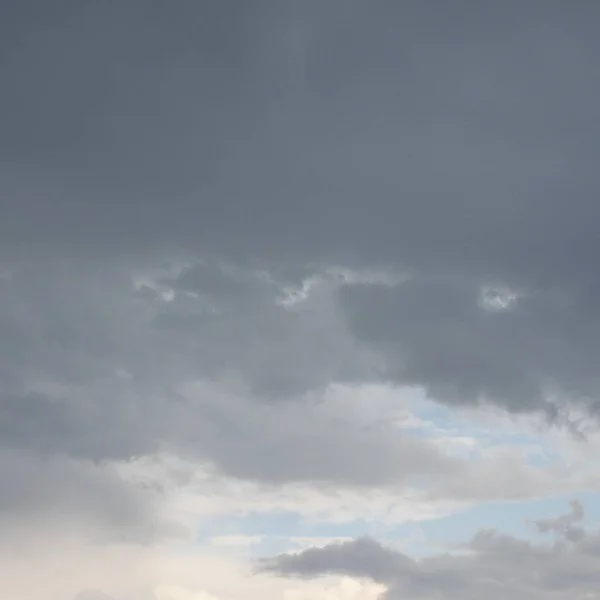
299, 299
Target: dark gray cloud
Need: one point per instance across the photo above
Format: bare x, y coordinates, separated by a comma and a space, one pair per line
457, 141
236, 321
274, 140
205, 362
435, 332
363, 557
492, 565
190, 364
407, 134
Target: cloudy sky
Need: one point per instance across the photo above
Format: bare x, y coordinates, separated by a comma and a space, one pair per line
299, 300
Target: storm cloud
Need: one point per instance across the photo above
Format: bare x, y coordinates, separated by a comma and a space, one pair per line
218, 218
455, 141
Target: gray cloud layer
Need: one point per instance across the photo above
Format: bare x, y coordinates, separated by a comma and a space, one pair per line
454, 143
208, 364
492, 565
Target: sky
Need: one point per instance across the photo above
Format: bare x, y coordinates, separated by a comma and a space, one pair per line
299, 300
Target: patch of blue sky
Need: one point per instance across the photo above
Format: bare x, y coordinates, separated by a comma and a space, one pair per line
442, 421
513, 518
429, 410
281, 532
250, 524
286, 525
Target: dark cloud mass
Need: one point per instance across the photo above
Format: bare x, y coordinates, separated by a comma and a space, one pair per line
435, 332
456, 140
442, 138
211, 212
